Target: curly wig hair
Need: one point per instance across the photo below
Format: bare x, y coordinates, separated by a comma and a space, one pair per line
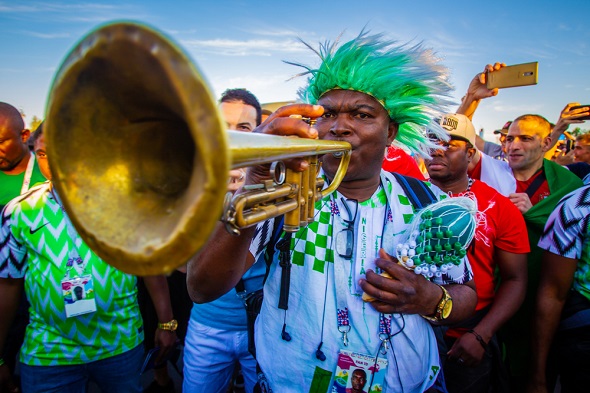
408, 81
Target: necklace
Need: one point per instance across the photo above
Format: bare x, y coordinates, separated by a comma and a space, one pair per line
469, 184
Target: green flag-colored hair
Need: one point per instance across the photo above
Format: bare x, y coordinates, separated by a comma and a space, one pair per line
407, 80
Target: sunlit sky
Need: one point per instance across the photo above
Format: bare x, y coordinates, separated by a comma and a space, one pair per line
243, 43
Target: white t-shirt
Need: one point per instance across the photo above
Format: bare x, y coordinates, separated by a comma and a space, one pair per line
322, 281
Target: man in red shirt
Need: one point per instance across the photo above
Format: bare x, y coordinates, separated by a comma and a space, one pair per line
500, 243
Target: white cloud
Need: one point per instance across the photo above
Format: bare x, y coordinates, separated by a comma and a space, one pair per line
528, 108
47, 35
256, 47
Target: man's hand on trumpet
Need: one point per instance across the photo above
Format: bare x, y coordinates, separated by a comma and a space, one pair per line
280, 122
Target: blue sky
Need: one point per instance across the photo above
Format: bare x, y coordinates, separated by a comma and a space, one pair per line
243, 43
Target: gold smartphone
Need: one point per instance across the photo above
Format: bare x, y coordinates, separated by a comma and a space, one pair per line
512, 76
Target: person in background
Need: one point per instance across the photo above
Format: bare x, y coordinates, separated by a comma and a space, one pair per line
582, 148
217, 336
500, 246
71, 339
19, 170
398, 161
561, 329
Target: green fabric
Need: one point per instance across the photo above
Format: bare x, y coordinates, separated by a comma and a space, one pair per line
51, 338
561, 182
10, 185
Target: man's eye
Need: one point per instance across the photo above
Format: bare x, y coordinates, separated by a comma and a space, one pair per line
328, 115
362, 115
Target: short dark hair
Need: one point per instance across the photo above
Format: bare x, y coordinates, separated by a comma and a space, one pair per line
245, 96
36, 135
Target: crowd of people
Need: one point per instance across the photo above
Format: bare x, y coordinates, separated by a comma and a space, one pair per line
328, 308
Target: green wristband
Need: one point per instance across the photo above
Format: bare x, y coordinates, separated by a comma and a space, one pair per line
1, 362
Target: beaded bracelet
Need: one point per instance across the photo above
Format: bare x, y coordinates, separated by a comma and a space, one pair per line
479, 338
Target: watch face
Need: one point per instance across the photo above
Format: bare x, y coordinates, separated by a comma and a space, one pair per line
174, 325
446, 311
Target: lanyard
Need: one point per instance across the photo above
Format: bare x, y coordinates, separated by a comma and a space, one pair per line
28, 174
74, 260
345, 281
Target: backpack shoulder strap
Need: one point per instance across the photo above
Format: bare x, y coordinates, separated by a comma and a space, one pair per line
419, 194
268, 253
277, 229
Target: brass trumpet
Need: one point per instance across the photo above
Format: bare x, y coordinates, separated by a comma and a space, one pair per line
140, 157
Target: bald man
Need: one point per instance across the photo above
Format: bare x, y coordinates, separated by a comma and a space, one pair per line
18, 169
18, 172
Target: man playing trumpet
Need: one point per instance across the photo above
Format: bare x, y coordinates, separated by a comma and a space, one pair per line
367, 92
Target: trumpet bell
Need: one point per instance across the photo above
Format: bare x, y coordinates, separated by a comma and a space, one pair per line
138, 154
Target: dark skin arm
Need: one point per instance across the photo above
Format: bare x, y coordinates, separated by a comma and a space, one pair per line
157, 287
220, 264
410, 293
10, 292
508, 298
557, 275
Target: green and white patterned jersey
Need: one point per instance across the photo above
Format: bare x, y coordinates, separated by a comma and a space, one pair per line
324, 285
35, 245
567, 233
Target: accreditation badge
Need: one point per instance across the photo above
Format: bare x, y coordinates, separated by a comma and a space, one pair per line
355, 372
78, 293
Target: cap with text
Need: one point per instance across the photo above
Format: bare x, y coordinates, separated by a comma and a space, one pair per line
459, 127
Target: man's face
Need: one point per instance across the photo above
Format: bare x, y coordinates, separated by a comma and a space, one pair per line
362, 121
41, 155
525, 145
12, 146
450, 164
581, 152
358, 381
238, 116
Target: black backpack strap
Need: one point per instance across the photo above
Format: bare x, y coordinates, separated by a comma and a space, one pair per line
419, 194
534, 186
284, 247
277, 230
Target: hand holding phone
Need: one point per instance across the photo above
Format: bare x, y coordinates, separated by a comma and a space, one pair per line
579, 112
512, 76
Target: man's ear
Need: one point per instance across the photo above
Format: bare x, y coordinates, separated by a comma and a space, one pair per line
546, 144
392, 131
470, 153
25, 134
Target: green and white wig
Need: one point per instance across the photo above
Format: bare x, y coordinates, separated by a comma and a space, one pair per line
408, 81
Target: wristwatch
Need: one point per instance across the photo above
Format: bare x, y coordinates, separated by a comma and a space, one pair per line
443, 308
172, 325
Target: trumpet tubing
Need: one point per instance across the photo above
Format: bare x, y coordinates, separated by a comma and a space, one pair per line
139, 154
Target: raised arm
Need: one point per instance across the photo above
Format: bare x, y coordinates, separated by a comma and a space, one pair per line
566, 117
477, 90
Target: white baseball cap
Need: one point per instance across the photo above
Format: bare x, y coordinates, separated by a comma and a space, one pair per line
459, 127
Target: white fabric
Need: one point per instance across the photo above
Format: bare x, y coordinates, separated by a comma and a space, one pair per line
497, 174
209, 359
290, 366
